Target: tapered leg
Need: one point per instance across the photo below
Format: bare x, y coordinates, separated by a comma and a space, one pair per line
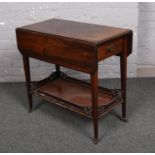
28, 81
123, 67
57, 68
94, 90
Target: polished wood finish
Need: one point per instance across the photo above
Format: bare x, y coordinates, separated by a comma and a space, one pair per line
71, 44
90, 34
61, 51
94, 89
75, 94
110, 48
28, 80
123, 65
79, 46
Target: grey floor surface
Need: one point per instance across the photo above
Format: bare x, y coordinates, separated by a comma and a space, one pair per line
50, 128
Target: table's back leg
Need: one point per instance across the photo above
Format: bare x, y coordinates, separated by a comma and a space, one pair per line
123, 68
94, 92
57, 68
28, 80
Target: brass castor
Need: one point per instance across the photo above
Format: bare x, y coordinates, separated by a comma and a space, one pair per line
95, 140
124, 119
30, 110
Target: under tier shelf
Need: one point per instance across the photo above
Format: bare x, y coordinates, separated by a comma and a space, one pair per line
75, 95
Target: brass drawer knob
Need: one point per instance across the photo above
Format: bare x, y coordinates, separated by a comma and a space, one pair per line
110, 48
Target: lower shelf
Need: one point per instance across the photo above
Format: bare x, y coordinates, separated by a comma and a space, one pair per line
75, 95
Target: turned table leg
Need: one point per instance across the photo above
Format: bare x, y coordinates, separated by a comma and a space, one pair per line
94, 92
123, 67
28, 80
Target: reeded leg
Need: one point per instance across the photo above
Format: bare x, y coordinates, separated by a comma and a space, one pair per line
28, 80
94, 91
123, 67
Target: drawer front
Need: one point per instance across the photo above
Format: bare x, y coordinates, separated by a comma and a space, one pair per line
110, 48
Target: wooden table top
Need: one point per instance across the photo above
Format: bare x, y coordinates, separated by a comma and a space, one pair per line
76, 45
85, 32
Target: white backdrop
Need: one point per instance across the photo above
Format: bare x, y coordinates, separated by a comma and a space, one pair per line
127, 15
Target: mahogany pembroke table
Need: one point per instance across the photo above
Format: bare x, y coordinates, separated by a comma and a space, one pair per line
79, 46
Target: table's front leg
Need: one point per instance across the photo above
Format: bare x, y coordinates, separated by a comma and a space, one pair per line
123, 68
28, 80
94, 92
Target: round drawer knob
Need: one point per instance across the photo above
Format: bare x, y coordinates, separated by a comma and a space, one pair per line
110, 48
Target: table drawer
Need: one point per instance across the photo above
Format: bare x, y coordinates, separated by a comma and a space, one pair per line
110, 48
